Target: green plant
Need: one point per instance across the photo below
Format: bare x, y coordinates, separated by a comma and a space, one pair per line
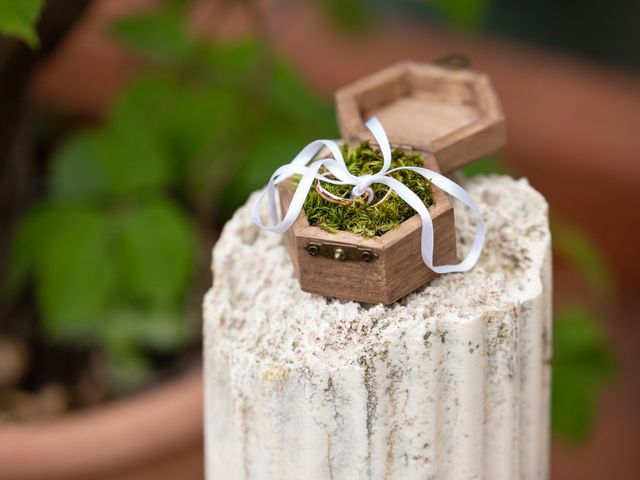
18, 17
112, 248
360, 217
582, 366
583, 363
110, 253
463, 14
350, 15
581, 253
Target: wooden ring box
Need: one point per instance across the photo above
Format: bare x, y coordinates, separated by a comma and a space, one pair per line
451, 117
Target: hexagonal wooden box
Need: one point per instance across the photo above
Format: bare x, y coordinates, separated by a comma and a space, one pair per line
372, 270
450, 117
453, 114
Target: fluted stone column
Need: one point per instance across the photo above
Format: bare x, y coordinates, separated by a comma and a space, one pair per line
450, 383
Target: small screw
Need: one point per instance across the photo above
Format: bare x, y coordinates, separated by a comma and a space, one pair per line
366, 256
313, 250
339, 254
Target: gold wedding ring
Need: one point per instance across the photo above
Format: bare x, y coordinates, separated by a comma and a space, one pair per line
346, 201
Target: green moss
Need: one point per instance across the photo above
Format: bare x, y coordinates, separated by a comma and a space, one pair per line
359, 217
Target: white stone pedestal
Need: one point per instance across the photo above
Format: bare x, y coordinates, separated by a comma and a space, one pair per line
450, 383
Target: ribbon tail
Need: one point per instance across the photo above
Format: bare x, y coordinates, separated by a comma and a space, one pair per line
461, 194
427, 235
309, 173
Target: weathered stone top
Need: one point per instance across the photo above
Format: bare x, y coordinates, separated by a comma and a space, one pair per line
254, 285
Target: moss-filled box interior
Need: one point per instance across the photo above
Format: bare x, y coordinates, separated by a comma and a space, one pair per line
358, 216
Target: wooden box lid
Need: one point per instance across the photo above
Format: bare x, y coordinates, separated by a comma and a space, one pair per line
453, 114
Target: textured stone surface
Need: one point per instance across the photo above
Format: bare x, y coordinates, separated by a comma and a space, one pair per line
452, 382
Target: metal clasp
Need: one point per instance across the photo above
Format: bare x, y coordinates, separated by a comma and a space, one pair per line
340, 252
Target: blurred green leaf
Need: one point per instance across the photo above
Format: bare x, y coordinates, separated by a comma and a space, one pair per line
289, 116
157, 253
163, 331
159, 34
466, 14
133, 158
273, 147
293, 101
575, 246
125, 158
574, 404
127, 365
26, 246
158, 330
210, 147
200, 119
78, 171
488, 165
145, 100
75, 271
129, 334
18, 18
350, 15
582, 365
192, 124
236, 65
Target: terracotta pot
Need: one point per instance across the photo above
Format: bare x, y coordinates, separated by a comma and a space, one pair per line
155, 434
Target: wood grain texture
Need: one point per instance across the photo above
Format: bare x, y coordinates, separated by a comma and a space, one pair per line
398, 269
453, 114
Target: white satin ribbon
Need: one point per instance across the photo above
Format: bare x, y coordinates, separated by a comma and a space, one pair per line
305, 165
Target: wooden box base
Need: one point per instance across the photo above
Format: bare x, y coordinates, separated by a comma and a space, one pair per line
395, 267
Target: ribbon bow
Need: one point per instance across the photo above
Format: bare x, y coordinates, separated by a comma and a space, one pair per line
338, 173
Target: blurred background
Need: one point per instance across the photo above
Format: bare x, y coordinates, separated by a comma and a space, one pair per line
130, 130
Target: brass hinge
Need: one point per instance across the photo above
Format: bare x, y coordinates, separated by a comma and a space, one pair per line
343, 253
